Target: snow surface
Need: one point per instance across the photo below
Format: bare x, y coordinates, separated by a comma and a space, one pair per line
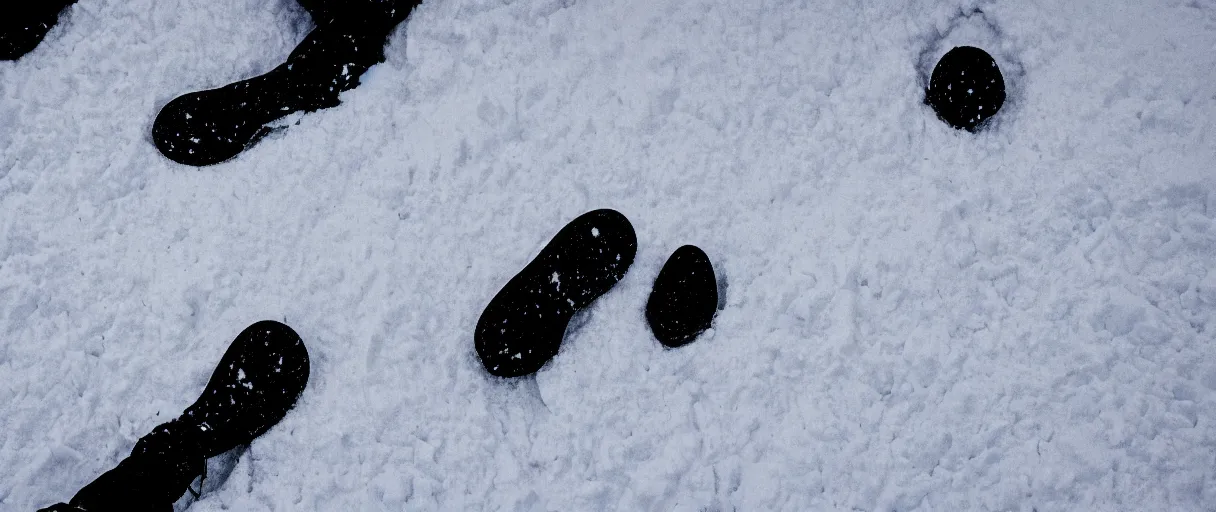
914, 317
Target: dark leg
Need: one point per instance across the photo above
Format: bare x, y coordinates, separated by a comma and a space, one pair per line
157, 473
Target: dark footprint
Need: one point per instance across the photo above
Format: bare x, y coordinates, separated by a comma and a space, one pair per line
684, 298
523, 326
966, 88
256, 382
26, 24
208, 127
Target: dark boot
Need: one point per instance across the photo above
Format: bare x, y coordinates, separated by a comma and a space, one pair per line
684, 299
208, 127
255, 383
523, 326
966, 88
26, 24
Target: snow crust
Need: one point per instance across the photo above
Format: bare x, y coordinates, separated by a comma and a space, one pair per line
914, 318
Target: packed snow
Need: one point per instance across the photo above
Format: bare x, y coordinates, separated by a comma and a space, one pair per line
912, 317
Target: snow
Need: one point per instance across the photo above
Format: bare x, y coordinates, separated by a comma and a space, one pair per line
913, 317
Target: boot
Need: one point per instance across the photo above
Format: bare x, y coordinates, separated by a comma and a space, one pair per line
209, 127
966, 88
684, 298
523, 326
258, 379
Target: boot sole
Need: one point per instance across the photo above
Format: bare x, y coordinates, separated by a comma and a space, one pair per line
523, 326
684, 298
208, 127
257, 381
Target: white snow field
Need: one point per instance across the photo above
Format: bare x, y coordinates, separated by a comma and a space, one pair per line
914, 317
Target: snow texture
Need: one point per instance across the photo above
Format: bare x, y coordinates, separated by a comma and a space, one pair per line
914, 317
